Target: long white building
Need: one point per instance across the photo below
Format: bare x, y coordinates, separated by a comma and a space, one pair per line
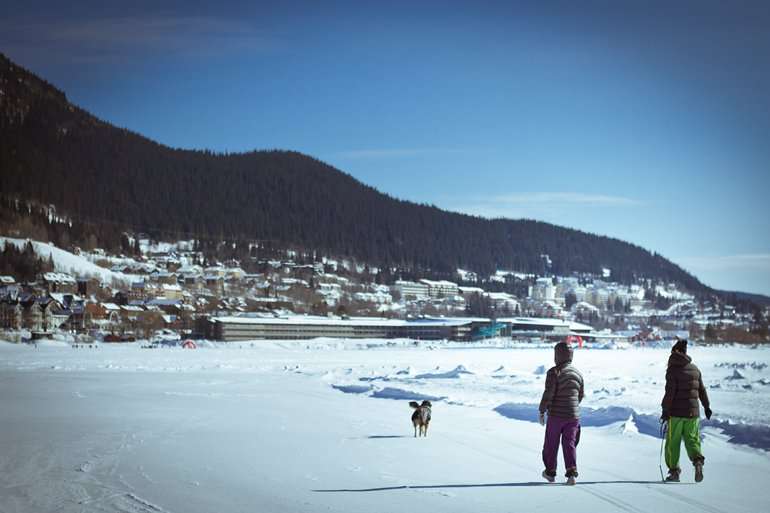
306, 327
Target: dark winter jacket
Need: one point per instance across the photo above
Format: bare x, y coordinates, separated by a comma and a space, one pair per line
684, 386
563, 386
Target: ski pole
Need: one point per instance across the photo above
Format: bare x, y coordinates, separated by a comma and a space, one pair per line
663, 431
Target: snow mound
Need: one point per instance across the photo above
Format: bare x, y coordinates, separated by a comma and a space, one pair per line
405, 395
589, 417
518, 411
629, 427
540, 370
455, 373
374, 378
753, 435
352, 389
758, 366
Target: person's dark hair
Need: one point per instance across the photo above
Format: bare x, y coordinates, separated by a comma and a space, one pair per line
680, 346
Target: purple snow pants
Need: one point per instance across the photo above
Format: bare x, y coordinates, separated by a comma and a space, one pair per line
566, 430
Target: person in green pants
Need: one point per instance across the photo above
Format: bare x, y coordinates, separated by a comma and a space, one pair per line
684, 387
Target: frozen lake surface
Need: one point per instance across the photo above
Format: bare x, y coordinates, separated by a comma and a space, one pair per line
324, 426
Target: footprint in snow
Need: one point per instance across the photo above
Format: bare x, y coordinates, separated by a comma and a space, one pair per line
85, 467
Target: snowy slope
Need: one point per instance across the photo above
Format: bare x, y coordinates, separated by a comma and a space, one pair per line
67, 262
274, 427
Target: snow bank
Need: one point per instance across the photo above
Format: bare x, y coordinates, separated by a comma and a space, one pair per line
403, 395
455, 373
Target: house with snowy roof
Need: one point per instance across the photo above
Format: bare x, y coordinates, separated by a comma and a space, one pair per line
441, 288
412, 290
37, 313
169, 306
171, 291
59, 282
503, 301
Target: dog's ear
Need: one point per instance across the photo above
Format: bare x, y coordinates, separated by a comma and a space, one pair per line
414, 404
427, 403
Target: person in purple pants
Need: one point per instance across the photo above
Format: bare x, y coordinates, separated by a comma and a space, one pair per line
561, 400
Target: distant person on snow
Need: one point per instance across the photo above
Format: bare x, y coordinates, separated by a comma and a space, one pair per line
684, 386
561, 400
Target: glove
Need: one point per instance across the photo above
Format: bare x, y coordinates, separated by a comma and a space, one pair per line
708, 413
541, 419
664, 418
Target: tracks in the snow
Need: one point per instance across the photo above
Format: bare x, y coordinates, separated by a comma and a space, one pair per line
593, 488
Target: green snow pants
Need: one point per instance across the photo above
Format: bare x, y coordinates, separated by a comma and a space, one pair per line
683, 428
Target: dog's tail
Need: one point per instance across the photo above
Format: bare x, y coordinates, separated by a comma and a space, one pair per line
414, 404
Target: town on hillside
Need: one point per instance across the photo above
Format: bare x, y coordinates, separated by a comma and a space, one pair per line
167, 292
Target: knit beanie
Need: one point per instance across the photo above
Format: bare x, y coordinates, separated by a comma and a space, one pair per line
681, 346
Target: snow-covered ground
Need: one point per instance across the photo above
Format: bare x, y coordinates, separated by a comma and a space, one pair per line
324, 426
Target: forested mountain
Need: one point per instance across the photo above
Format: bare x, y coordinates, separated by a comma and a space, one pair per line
110, 179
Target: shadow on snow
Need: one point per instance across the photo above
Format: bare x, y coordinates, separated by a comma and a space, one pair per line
482, 485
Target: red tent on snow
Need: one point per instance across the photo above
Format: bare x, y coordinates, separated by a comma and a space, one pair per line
574, 338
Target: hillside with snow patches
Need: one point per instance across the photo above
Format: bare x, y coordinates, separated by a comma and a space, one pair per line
324, 425
285, 197
79, 266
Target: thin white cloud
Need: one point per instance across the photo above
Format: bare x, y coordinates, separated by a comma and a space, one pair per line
379, 153
740, 262
545, 206
562, 198
104, 37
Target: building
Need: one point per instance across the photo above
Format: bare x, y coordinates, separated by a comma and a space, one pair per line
543, 290
306, 327
412, 290
586, 310
503, 302
60, 282
37, 314
138, 291
441, 288
171, 292
10, 313
536, 327
215, 283
467, 292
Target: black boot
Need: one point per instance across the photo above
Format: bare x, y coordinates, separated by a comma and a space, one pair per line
698, 470
673, 475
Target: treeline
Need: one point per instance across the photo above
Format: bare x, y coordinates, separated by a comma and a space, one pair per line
110, 180
23, 264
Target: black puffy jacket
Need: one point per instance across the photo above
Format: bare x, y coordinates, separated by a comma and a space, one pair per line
684, 386
563, 386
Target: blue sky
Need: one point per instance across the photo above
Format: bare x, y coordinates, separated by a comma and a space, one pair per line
647, 121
